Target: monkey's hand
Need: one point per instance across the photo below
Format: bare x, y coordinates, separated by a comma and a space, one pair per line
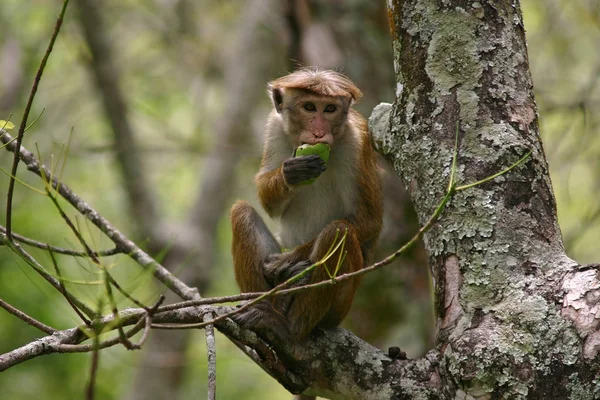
279, 267
300, 169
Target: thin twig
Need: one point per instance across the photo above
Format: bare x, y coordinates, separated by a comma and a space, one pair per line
24, 317
113, 306
124, 292
145, 333
148, 322
63, 290
97, 329
58, 250
67, 341
124, 245
106, 276
90, 392
23, 125
86, 348
29, 259
211, 351
212, 300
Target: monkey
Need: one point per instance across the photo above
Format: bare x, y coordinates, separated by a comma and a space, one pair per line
309, 106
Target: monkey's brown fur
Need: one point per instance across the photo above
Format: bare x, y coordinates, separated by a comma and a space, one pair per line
346, 196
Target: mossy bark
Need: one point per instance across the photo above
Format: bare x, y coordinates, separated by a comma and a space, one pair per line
516, 318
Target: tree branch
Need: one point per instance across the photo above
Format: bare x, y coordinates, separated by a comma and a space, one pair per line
58, 250
24, 317
124, 245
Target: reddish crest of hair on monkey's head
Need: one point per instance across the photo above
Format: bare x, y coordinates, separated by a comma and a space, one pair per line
324, 83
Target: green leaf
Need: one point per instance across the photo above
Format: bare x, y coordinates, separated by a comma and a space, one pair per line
6, 124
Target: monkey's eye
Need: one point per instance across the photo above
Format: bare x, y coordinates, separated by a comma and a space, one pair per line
310, 107
330, 108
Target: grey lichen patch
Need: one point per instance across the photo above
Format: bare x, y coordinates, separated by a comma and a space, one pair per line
518, 329
372, 360
477, 221
397, 48
532, 329
413, 21
579, 390
453, 59
479, 11
379, 123
344, 386
481, 217
500, 136
484, 285
536, 329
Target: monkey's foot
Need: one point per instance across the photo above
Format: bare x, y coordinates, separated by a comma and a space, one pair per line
264, 319
279, 267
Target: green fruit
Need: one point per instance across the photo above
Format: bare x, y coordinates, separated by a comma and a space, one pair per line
320, 149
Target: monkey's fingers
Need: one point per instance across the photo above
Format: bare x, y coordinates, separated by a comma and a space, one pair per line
300, 169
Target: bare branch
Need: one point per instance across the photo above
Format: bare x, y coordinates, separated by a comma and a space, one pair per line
64, 292
90, 392
58, 250
121, 241
45, 345
211, 351
29, 320
42, 272
67, 341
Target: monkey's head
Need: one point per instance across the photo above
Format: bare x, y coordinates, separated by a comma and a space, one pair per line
313, 104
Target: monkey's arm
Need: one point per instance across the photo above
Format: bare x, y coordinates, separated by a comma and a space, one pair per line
273, 192
276, 187
368, 216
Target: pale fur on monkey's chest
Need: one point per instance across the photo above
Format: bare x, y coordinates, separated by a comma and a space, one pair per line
332, 196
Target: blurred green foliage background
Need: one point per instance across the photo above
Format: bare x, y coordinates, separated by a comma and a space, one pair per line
192, 76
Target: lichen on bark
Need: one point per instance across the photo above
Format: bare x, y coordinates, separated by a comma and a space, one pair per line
496, 254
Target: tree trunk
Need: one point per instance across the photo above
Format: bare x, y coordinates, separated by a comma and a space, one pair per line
516, 318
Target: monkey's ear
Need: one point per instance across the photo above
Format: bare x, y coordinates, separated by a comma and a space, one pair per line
277, 97
347, 102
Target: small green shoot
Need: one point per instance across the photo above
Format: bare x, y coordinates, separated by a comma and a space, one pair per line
21, 182
35, 120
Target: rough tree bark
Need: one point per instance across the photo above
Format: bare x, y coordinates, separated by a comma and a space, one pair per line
516, 318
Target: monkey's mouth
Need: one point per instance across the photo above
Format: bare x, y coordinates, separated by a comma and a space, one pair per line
316, 141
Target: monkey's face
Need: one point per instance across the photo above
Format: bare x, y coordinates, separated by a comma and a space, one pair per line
311, 118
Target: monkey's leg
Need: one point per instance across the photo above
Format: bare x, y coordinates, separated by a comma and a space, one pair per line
252, 243
327, 306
